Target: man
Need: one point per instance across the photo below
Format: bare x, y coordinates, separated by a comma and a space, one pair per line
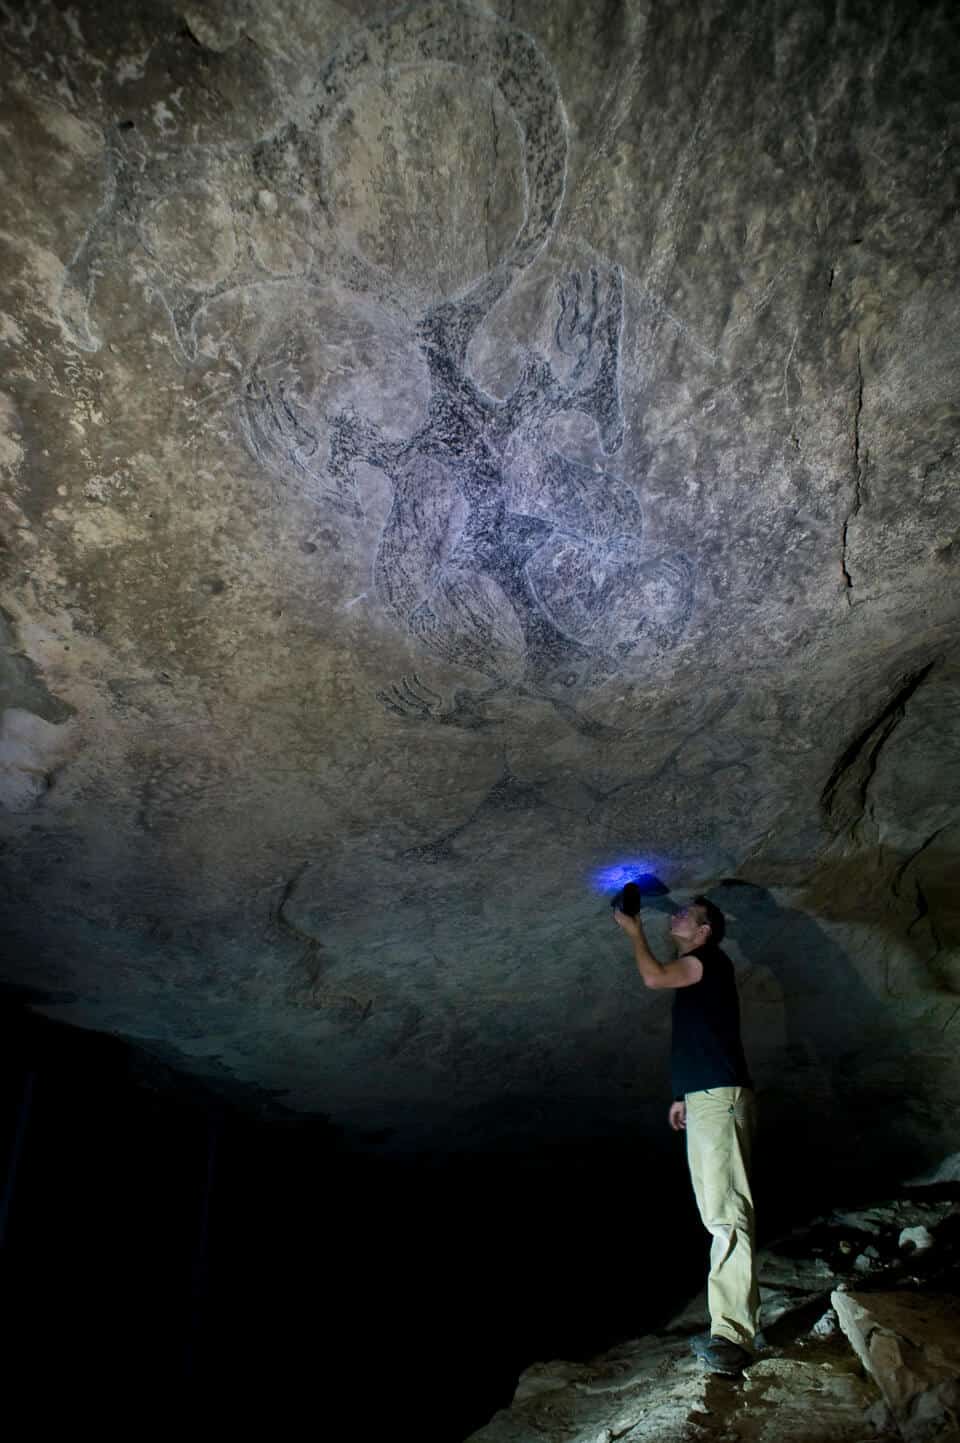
713, 1104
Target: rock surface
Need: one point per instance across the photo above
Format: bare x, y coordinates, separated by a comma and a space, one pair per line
806, 1384
450, 455
910, 1346
654, 1390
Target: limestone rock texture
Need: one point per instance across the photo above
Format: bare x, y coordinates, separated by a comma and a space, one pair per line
654, 1391
910, 1345
840, 1356
452, 453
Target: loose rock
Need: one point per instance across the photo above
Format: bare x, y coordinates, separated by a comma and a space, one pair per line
910, 1345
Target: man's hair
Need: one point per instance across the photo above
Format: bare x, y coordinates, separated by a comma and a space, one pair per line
713, 917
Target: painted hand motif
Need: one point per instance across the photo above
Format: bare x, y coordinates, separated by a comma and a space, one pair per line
533, 574
588, 330
413, 700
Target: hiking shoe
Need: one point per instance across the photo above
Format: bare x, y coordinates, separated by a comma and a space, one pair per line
720, 1355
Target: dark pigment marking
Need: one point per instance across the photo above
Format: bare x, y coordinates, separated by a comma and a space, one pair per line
532, 575
499, 553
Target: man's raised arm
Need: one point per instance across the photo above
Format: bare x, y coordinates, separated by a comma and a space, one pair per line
682, 973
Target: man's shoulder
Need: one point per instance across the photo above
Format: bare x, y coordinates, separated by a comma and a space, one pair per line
712, 955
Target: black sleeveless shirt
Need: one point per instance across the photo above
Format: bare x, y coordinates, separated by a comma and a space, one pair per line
707, 1050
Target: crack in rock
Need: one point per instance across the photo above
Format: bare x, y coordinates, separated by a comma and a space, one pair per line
844, 797
918, 851
859, 465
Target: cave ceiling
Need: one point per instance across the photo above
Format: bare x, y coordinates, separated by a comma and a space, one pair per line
451, 453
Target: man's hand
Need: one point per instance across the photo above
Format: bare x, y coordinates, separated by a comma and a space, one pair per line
678, 1116
630, 925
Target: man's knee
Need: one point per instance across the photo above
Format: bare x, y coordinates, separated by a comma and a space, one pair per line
733, 1234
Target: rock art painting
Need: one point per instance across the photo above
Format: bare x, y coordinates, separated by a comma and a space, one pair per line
499, 553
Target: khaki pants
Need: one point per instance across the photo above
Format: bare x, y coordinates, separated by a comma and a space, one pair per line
720, 1125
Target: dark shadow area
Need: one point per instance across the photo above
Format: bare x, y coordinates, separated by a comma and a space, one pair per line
162, 1244
163, 1247
838, 1089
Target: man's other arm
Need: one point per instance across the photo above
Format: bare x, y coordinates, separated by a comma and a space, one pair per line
682, 973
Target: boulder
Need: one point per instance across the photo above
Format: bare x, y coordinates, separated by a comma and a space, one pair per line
909, 1343
827, 1325
918, 1238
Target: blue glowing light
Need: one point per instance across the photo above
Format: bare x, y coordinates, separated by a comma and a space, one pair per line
618, 874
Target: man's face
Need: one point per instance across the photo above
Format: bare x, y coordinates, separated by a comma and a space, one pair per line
687, 926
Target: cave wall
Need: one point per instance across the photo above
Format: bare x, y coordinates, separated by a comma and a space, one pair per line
448, 452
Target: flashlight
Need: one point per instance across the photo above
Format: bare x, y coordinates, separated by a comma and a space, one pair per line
629, 899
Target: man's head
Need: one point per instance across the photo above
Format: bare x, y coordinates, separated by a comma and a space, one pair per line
701, 921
